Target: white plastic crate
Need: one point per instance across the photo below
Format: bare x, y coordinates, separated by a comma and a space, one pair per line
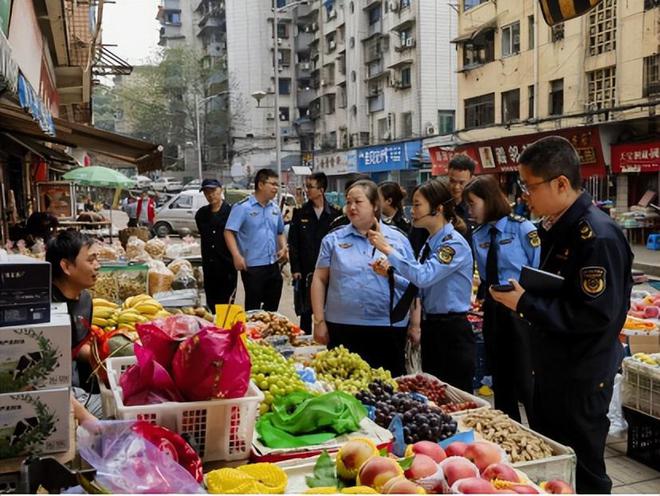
641, 387
219, 429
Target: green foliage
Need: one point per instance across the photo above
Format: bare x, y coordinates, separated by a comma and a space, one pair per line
32, 439
325, 473
35, 375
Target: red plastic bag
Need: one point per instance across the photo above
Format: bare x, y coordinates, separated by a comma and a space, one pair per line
147, 382
163, 336
213, 364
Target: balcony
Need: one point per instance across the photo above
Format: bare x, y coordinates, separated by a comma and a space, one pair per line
303, 42
218, 81
315, 109
305, 97
171, 4
212, 20
376, 102
304, 70
216, 49
366, 4
374, 29
376, 69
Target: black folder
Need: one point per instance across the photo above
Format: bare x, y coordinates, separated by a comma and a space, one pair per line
538, 281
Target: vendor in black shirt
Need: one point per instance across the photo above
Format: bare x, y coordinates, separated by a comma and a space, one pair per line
74, 263
220, 276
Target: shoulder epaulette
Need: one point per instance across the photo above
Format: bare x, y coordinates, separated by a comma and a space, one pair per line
401, 231
517, 218
243, 200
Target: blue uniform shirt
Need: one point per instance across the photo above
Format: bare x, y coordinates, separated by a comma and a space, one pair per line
518, 244
356, 294
256, 228
445, 277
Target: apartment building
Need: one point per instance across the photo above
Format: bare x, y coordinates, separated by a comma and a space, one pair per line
594, 79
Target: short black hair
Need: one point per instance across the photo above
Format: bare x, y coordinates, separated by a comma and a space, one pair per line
552, 157
321, 180
355, 178
462, 162
65, 246
263, 175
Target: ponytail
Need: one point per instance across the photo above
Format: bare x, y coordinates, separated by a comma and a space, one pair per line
438, 194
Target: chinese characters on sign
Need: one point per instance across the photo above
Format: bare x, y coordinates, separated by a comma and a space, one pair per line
395, 156
636, 157
335, 163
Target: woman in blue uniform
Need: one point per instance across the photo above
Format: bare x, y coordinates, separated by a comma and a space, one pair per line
502, 244
351, 303
444, 275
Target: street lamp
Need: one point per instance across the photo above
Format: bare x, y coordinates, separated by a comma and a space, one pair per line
198, 102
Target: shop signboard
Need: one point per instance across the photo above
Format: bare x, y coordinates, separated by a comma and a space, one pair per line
336, 163
56, 198
501, 155
636, 157
30, 101
389, 157
8, 66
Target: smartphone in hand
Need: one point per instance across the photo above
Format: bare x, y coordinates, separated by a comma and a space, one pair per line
502, 288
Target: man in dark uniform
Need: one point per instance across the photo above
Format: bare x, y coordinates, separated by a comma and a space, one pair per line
310, 223
574, 332
220, 276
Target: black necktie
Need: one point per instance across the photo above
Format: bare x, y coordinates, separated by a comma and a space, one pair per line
425, 253
399, 311
491, 259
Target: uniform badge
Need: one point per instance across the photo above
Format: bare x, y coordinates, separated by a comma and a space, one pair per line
345, 245
304, 221
253, 214
585, 230
447, 238
506, 241
592, 281
446, 254
485, 245
275, 212
534, 240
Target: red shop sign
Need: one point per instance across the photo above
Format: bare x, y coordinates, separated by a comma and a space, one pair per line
501, 155
636, 157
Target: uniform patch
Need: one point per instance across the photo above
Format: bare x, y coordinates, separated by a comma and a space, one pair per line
592, 281
485, 245
506, 241
304, 221
534, 239
253, 214
275, 212
446, 254
345, 245
585, 230
447, 238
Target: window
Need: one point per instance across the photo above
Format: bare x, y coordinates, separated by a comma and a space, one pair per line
511, 39
352, 7
406, 124
330, 103
649, 4
479, 51
353, 76
281, 3
468, 4
173, 18
374, 15
557, 32
602, 88
446, 119
284, 113
405, 35
556, 104
383, 129
284, 57
406, 77
651, 75
282, 31
184, 201
330, 42
530, 101
480, 111
510, 106
285, 86
404, 4
530, 32
602, 28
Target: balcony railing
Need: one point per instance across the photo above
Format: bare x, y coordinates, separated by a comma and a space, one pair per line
376, 102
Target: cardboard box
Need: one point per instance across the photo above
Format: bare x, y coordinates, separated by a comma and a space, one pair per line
25, 291
644, 344
36, 356
35, 422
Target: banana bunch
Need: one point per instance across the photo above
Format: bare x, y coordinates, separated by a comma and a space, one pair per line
135, 310
103, 312
651, 360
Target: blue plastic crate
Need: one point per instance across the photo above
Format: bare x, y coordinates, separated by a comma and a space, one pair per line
653, 242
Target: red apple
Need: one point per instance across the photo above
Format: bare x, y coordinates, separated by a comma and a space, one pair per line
473, 485
401, 485
483, 454
557, 487
456, 448
377, 470
428, 448
500, 471
457, 468
422, 466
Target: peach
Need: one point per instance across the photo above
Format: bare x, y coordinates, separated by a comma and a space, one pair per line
473, 485
401, 485
557, 487
428, 448
500, 471
483, 454
457, 468
422, 466
456, 448
352, 455
377, 470
524, 489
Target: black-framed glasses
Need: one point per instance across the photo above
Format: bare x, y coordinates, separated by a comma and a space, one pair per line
272, 183
528, 188
311, 186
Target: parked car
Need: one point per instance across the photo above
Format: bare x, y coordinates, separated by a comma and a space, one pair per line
142, 182
194, 184
167, 184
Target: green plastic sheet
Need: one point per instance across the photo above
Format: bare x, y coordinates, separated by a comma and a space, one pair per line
302, 419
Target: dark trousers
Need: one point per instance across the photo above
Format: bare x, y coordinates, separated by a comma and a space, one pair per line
263, 287
301, 301
448, 349
378, 346
219, 283
576, 415
508, 355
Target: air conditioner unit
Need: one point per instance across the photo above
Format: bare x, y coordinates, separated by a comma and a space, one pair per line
306, 66
394, 6
323, 82
315, 26
386, 136
410, 42
430, 130
374, 91
283, 117
279, 41
332, 14
270, 116
332, 45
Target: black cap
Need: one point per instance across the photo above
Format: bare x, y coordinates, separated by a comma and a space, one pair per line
210, 183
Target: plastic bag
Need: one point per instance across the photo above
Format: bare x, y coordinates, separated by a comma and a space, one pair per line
184, 279
156, 248
160, 277
212, 364
163, 336
127, 462
135, 251
176, 265
147, 382
618, 424
413, 354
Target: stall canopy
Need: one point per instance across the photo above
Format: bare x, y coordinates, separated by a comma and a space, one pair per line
144, 155
49, 154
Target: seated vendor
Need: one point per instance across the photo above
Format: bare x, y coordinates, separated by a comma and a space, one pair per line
74, 263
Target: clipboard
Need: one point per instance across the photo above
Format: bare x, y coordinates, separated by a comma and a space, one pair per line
539, 281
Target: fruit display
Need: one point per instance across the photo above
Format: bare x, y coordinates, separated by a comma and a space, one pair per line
117, 283
272, 373
347, 371
254, 478
136, 309
420, 421
519, 444
196, 311
435, 390
652, 360
262, 324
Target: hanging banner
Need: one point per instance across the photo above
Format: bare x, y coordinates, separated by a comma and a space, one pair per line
30, 101
8, 67
336, 163
636, 157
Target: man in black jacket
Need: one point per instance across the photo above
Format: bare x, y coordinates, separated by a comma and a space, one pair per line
310, 223
220, 276
575, 332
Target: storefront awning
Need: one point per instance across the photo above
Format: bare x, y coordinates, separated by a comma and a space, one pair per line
492, 24
48, 154
144, 155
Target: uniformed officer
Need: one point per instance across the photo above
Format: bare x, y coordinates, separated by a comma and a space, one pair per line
444, 275
220, 276
575, 331
391, 196
351, 303
255, 238
310, 223
502, 244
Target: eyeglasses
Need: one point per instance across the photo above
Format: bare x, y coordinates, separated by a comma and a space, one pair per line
309, 186
528, 188
272, 183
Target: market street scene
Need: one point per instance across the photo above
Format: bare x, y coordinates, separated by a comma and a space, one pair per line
329, 246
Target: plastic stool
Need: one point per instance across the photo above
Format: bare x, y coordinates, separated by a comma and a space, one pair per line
653, 242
